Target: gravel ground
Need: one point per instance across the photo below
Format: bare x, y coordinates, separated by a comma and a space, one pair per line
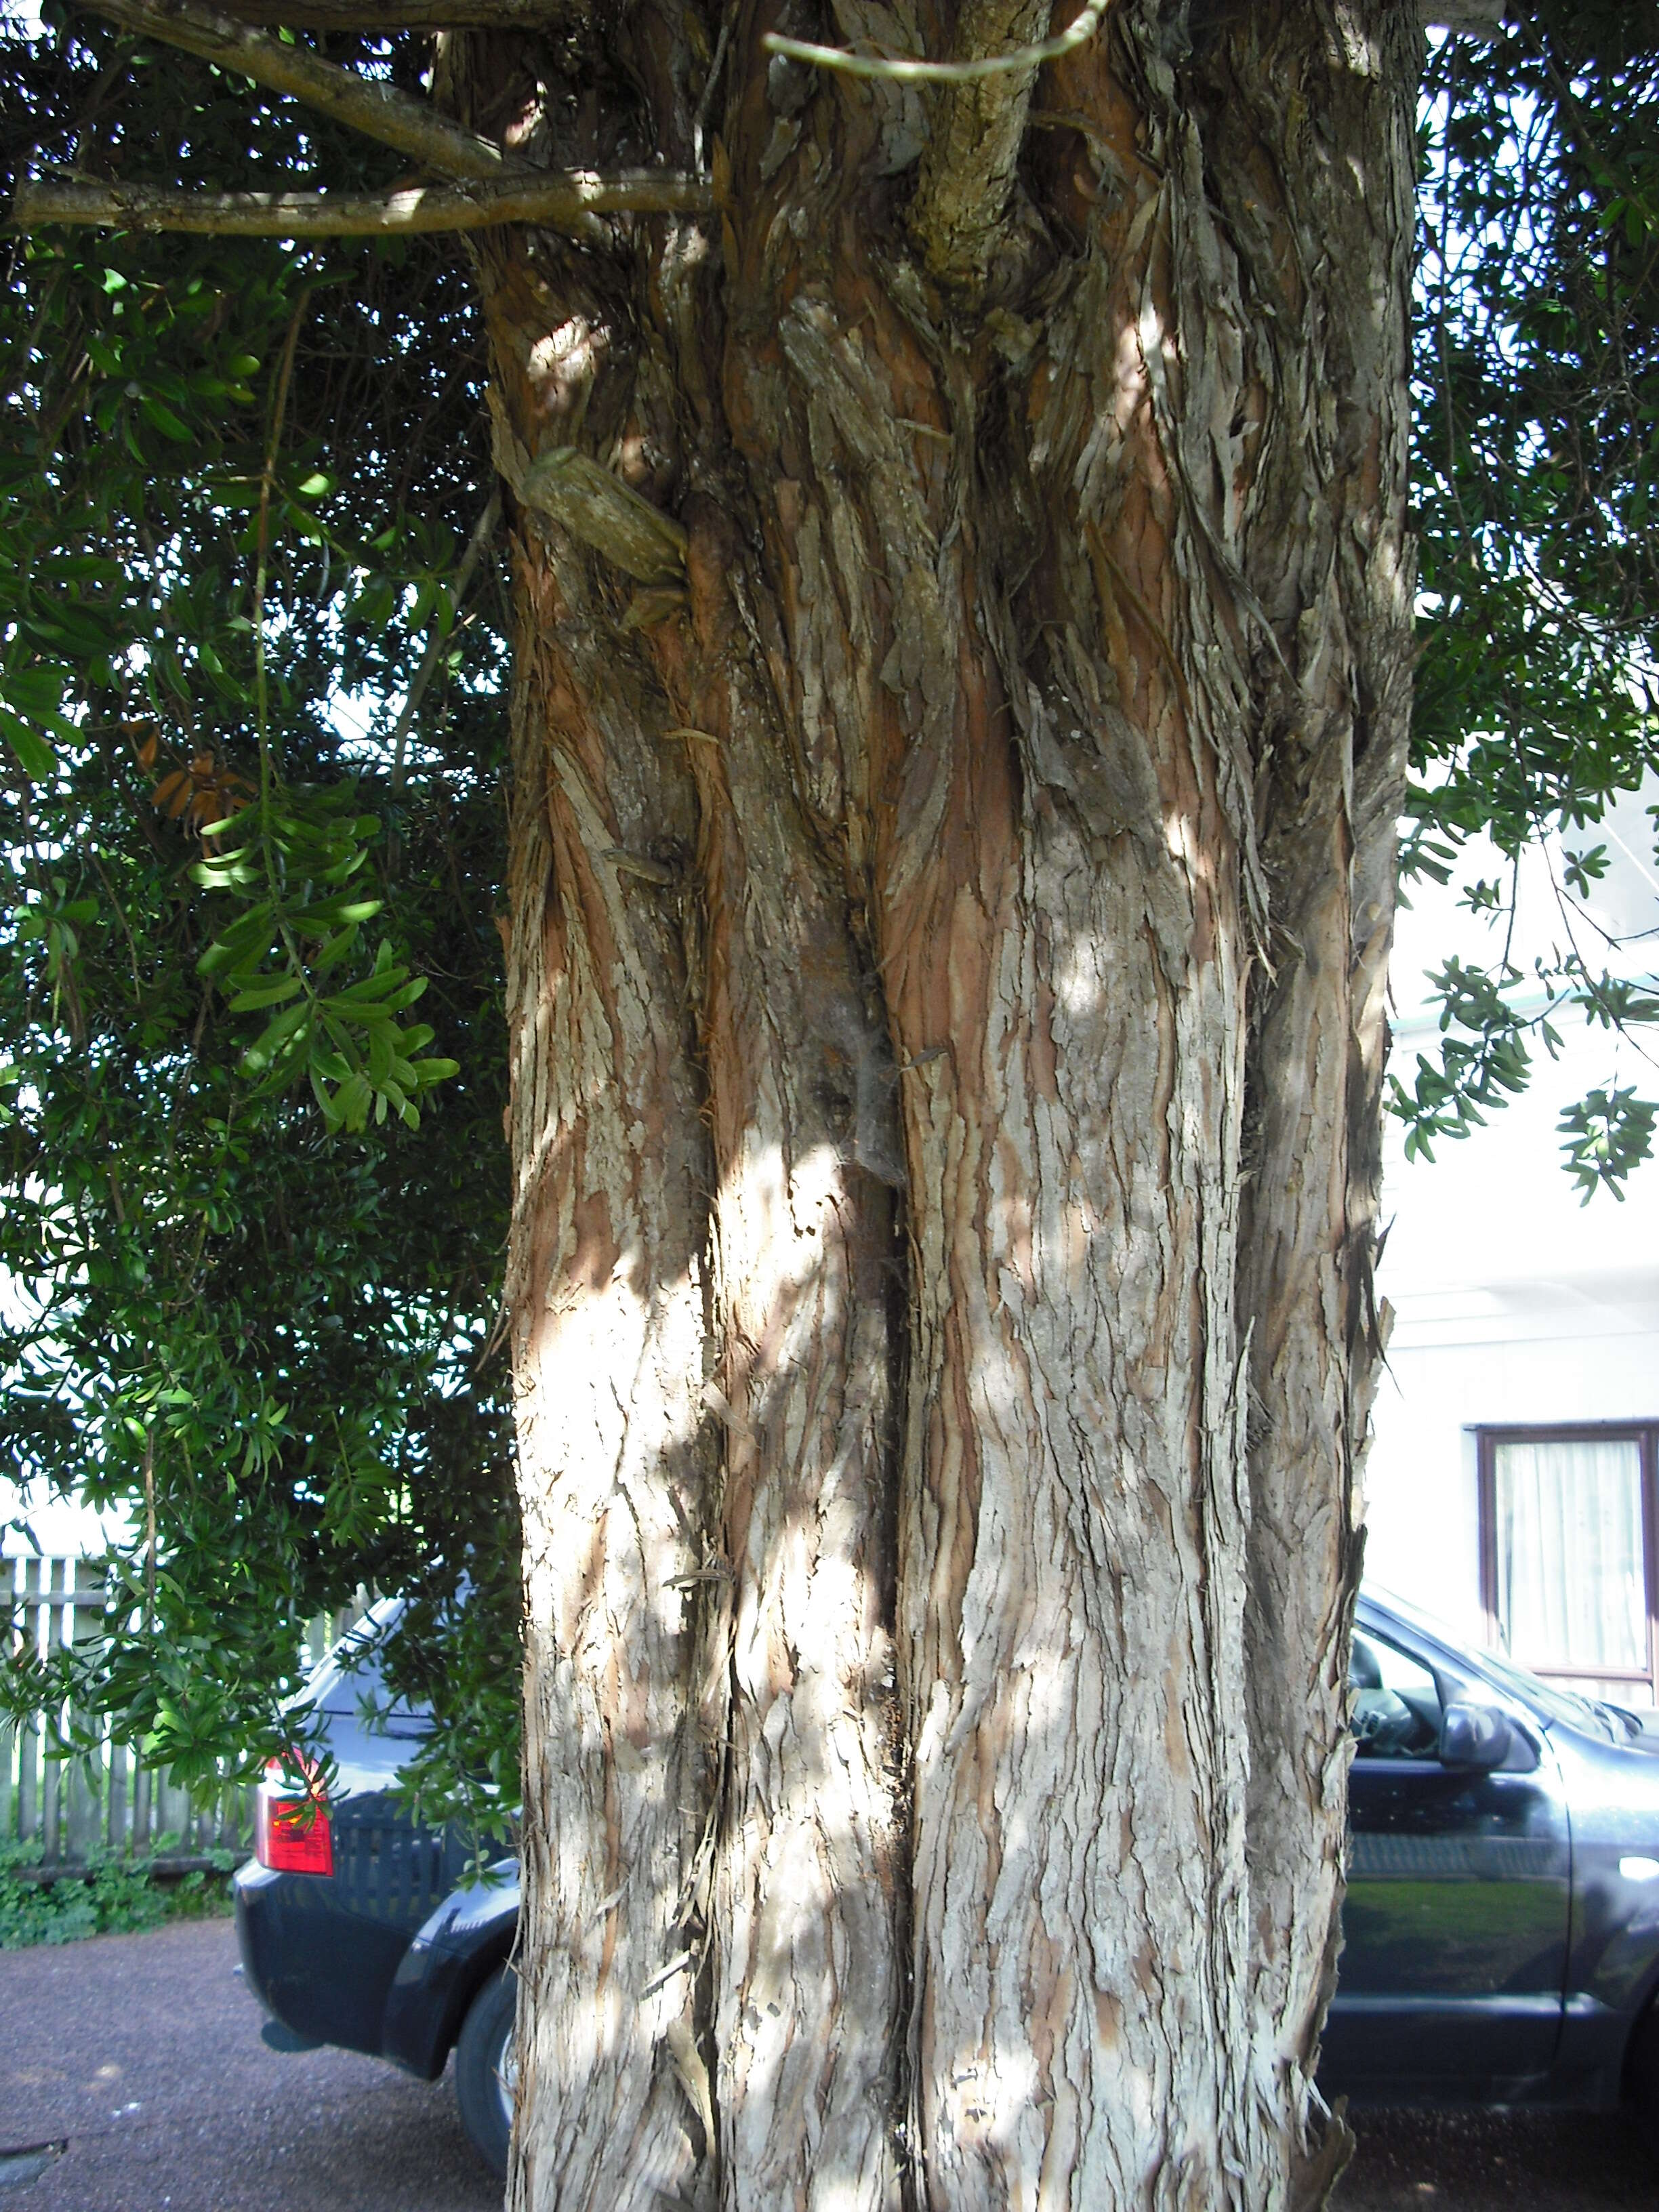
1497, 2161
144, 2053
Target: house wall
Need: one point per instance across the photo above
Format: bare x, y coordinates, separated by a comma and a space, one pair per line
1513, 1302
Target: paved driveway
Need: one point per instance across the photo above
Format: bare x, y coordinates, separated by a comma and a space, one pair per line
144, 2052
1499, 2161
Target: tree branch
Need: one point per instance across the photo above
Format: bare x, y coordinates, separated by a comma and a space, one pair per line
974, 128
379, 111
404, 14
1483, 19
556, 199
483, 530
979, 57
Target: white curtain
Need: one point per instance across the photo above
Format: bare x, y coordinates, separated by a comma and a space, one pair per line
1571, 1588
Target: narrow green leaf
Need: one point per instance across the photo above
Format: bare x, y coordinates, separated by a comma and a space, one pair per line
166, 420
265, 994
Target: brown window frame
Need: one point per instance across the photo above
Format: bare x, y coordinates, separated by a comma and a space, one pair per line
1642, 1433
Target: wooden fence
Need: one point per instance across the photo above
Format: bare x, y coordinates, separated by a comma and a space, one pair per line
105, 1800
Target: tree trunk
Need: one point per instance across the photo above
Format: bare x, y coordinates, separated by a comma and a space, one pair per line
959, 730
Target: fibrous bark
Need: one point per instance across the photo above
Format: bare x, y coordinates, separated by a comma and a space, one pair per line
958, 736
1329, 562
610, 1224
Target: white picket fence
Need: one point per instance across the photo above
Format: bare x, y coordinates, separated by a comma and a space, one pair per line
105, 1800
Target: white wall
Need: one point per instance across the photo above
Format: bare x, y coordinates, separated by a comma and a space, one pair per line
1513, 1302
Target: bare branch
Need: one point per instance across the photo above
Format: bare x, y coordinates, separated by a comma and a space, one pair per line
976, 122
556, 199
595, 505
379, 111
483, 530
404, 14
1482, 18
968, 69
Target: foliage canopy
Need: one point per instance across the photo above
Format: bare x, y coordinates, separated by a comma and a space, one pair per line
239, 483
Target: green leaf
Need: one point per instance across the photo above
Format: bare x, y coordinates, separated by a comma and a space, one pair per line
266, 994
335, 950
330, 913
274, 1043
35, 756
249, 937
166, 420
352, 1100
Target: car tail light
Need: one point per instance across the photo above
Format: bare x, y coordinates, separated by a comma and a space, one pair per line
291, 1830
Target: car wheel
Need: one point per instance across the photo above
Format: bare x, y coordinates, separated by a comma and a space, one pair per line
487, 2068
1642, 2077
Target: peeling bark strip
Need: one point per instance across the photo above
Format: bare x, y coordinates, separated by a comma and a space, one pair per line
959, 724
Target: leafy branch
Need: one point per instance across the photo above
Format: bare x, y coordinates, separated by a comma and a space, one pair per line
295, 860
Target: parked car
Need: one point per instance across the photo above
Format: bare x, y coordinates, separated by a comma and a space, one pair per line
361, 1926
1502, 1921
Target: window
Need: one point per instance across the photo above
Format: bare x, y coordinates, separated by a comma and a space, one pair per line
1569, 1575
1394, 1706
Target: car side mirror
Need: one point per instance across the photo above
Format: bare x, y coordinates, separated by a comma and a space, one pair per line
1476, 1735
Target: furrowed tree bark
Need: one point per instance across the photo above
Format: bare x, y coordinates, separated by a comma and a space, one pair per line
808, 1310
959, 730
608, 1291
608, 1303
791, 1688
1329, 562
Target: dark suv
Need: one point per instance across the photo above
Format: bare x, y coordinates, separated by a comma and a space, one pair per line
1502, 1921
362, 1927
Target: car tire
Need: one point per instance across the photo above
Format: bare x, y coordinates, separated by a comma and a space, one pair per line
486, 2068
1642, 2077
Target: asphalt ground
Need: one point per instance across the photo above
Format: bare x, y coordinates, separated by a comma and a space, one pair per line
144, 2052
141, 2053
1517, 2160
